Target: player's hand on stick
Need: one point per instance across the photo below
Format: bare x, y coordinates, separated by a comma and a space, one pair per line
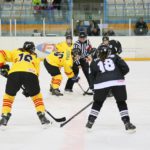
75, 78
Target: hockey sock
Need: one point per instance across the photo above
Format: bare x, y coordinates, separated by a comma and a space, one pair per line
56, 81
95, 110
7, 103
93, 115
122, 106
38, 102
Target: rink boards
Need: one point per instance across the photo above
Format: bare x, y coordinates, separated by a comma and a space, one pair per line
135, 48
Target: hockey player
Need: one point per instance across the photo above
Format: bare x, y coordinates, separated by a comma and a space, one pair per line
114, 45
24, 72
108, 72
65, 46
84, 45
53, 63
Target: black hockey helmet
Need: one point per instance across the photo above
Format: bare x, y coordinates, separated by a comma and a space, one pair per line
116, 47
29, 46
119, 47
82, 34
76, 51
68, 36
103, 51
105, 38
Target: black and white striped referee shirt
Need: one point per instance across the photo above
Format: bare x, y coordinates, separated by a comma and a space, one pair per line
84, 47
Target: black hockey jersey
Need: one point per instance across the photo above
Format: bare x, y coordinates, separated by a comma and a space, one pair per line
108, 73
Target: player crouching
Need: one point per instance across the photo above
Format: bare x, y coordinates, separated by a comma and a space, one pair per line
24, 72
53, 63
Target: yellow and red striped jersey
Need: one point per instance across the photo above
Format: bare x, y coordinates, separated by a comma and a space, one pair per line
22, 61
61, 59
63, 46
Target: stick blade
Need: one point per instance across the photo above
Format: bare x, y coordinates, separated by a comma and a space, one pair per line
86, 93
56, 119
60, 119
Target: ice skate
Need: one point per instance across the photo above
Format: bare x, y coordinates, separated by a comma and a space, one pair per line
69, 91
4, 121
130, 128
44, 121
89, 124
50, 88
56, 92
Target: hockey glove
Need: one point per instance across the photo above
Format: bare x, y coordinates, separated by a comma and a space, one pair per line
91, 52
4, 70
75, 79
91, 87
25, 93
77, 62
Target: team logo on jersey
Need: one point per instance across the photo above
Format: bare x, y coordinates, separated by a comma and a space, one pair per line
46, 47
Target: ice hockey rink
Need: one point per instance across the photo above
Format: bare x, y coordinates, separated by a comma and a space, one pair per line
24, 131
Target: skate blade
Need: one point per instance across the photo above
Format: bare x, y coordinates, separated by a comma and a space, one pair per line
3, 128
46, 126
57, 95
131, 131
69, 93
88, 130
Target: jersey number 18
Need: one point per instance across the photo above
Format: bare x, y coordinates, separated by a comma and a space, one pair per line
107, 65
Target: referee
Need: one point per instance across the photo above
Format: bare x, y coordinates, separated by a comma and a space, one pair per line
83, 44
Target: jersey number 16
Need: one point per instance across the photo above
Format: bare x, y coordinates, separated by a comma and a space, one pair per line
25, 57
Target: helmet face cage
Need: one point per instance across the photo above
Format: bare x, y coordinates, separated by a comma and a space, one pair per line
29, 46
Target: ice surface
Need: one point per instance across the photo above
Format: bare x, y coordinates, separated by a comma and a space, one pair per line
24, 131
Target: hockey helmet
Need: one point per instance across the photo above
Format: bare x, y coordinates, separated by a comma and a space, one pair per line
119, 47
115, 46
82, 34
103, 51
29, 46
68, 36
105, 38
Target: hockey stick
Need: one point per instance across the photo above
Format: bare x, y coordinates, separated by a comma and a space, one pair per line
84, 92
56, 119
63, 124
